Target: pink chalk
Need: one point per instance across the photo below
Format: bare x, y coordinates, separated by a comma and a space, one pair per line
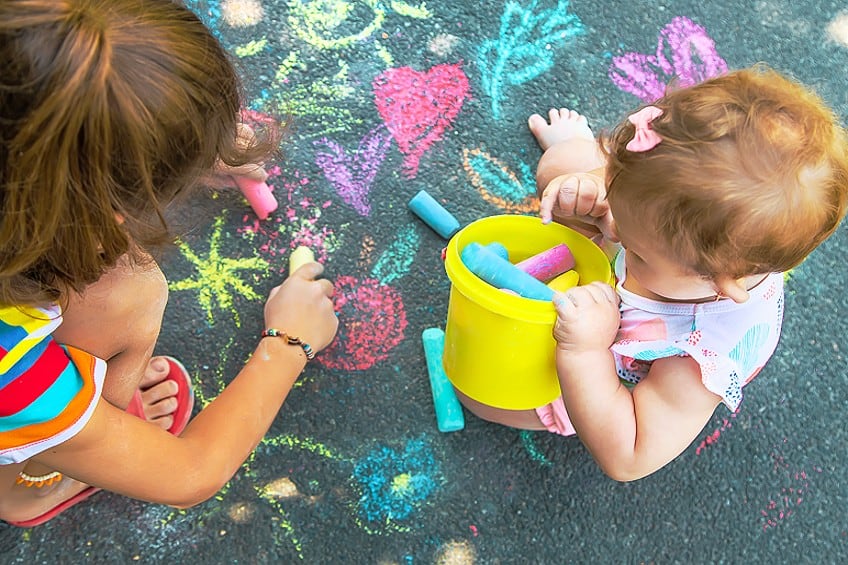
548, 264
258, 195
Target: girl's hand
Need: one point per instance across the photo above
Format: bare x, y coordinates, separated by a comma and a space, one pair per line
587, 318
581, 197
302, 306
223, 174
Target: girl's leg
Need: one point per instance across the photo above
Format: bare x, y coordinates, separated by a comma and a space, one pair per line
117, 319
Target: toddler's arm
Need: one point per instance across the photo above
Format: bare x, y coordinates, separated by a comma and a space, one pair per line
630, 433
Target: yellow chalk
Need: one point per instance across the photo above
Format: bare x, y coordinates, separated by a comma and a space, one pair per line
565, 281
299, 257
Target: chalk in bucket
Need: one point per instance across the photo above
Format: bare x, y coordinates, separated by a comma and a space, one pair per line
499, 348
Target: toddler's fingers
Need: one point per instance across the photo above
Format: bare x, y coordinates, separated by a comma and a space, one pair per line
606, 224
586, 195
602, 292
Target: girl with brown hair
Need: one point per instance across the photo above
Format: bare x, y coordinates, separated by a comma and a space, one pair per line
109, 111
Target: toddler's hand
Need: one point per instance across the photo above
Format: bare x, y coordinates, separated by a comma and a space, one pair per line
587, 317
579, 196
302, 306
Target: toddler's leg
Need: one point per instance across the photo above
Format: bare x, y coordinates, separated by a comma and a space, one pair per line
521, 419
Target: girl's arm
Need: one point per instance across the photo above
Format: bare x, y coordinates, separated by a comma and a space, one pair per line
630, 433
129, 456
124, 454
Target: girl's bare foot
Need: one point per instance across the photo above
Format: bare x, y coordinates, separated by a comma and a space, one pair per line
562, 124
158, 399
157, 394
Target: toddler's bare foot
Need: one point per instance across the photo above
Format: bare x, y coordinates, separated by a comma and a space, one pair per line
564, 124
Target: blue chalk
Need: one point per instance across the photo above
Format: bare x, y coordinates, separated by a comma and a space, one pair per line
434, 214
498, 249
449, 417
499, 272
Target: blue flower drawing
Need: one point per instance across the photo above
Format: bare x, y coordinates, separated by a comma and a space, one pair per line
394, 485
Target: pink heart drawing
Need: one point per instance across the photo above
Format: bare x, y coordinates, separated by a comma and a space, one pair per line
693, 59
418, 107
353, 175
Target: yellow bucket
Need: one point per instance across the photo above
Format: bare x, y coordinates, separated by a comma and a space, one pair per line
499, 348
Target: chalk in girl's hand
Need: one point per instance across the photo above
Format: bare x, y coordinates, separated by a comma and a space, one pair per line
502, 274
434, 214
258, 195
568, 279
299, 257
548, 264
449, 417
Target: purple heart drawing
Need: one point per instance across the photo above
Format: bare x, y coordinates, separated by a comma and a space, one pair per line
353, 175
693, 59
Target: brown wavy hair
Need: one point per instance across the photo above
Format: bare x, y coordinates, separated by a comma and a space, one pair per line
109, 110
751, 174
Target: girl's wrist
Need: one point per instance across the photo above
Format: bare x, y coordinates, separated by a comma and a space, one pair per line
277, 351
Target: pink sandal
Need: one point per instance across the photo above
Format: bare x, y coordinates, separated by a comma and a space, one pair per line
185, 404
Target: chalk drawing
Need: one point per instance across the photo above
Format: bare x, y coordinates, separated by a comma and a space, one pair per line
372, 319
498, 184
353, 174
693, 59
296, 222
532, 449
366, 250
251, 48
525, 47
795, 489
713, 437
336, 24
209, 11
219, 279
396, 260
418, 107
321, 102
395, 484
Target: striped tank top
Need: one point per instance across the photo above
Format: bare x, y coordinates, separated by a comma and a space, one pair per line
47, 391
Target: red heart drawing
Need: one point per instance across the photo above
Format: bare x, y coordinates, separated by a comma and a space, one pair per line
418, 107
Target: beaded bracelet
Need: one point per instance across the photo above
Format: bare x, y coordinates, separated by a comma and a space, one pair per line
40, 481
291, 340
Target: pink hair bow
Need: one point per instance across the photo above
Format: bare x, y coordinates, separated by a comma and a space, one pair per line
645, 138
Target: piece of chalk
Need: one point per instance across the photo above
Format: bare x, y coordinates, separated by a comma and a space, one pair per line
449, 417
499, 249
548, 264
434, 214
568, 279
502, 274
258, 195
299, 257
